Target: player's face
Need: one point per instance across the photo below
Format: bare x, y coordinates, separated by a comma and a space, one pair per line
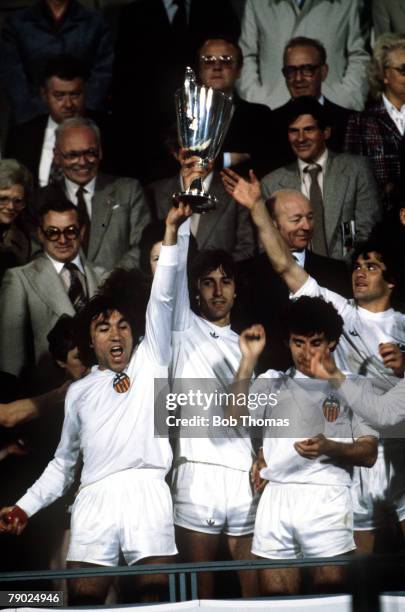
304, 72
216, 296
295, 221
73, 366
79, 154
303, 348
306, 138
112, 341
65, 99
368, 282
218, 65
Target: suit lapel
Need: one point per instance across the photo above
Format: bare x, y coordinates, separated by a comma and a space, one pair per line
290, 179
101, 209
46, 283
334, 191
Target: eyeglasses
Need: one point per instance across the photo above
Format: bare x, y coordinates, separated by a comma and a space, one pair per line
222, 60
18, 203
89, 155
307, 70
54, 233
400, 69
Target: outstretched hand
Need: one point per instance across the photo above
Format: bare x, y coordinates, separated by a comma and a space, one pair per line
247, 193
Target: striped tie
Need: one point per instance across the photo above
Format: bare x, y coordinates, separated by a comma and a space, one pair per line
76, 292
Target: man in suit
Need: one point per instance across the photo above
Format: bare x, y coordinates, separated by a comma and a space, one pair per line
266, 302
156, 40
34, 296
228, 227
305, 69
64, 93
266, 27
220, 62
114, 209
341, 187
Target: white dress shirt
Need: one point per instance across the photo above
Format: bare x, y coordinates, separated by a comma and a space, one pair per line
72, 188
47, 152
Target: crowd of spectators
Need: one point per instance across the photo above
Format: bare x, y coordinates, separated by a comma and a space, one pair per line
309, 184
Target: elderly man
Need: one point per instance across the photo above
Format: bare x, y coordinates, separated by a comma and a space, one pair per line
63, 92
265, 302
341, 187
34, 296
266, 27
220, 62
114, 209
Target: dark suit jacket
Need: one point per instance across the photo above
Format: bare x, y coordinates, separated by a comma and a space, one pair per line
119, 215
250, 132
281, 150
264, 298
150, 62
228, 227
25, 141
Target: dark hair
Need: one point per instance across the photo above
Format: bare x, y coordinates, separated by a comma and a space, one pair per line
65, 67
126, 291
307, 105
308, 316
62, 337
303, 41
152, 234
386, 254
54, 199
226, 38
204, 263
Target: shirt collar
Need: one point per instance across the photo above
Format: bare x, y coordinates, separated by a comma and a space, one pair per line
58, 265
391, 109
321, 161
51, 125
299, 256
72, 188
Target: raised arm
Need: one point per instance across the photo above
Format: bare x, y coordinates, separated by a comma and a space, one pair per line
160, 307
379, 410
248, 194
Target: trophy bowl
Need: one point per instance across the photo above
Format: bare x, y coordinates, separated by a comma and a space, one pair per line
203, 118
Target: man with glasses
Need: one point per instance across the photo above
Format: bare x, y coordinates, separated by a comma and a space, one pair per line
114, 210
266, 27
34, 296
305, 70
220, 63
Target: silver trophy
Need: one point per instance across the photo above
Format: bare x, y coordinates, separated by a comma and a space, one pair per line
203, 118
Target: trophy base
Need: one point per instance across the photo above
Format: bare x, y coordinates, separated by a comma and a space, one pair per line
200, 201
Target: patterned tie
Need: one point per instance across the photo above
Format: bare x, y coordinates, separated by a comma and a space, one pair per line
84, 215
121, 382
76, 293
319, 244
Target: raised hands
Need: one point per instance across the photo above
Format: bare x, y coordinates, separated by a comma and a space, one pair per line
252, 342
247, 193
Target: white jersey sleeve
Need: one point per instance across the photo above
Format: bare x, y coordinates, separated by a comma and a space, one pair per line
312, 289
59, 473
182, 311
157, 340
379, 410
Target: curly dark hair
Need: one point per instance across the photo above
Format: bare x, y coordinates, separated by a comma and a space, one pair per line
308, 316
